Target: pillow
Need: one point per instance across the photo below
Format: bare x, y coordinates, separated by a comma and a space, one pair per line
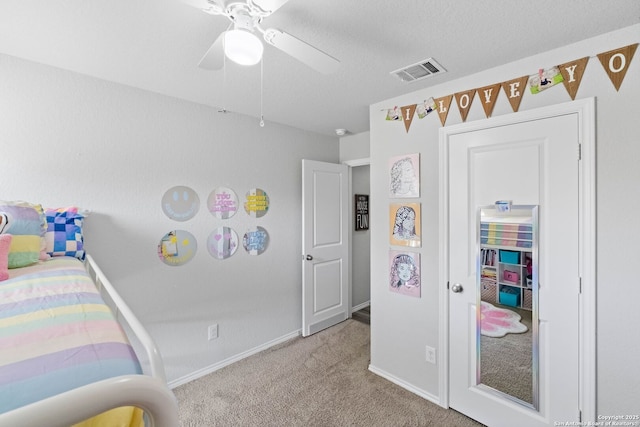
27, 224
64, 236
5, 242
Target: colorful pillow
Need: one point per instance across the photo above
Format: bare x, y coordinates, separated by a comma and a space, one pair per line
27, 226
64, 236
5, 242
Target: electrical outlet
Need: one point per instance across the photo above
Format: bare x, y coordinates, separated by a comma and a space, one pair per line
213, 331
431, 354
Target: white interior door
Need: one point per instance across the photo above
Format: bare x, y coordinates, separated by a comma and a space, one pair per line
531, 161
325, 245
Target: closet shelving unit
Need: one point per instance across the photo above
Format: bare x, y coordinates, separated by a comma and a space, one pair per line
506, 259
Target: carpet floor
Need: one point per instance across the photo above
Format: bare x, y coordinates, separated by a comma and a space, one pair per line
322, 380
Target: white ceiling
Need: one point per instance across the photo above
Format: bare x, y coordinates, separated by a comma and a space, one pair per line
156, 45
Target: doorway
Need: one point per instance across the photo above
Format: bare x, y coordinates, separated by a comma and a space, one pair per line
360, 245
544, 159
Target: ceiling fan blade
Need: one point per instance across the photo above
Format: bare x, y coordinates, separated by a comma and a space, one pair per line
269, 5
214, 58
212, 7
302, 51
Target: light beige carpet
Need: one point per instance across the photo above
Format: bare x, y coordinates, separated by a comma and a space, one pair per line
322, 380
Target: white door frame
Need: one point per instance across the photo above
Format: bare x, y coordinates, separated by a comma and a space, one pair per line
585, 109
353, 163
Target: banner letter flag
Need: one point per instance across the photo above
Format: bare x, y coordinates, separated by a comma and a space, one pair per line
464, 100
488, 96
572, 73
443, 105
407, 115
616, 63
514, 90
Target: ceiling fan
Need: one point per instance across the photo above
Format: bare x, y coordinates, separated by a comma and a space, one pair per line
241, 44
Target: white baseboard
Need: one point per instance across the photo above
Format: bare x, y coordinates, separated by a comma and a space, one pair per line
226, 362
360, 306
397, 381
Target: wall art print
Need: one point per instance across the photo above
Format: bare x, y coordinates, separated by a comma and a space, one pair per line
404, 176
255, 240
177, 247
404, 224
223, 203
256, 203
361, 212
404, 273
222, 242
180, 203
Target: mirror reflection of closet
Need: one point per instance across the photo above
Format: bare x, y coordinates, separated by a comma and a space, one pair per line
507, 302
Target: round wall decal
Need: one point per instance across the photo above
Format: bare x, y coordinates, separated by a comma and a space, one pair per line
223, 203
256, 203
255, 240
180, 203
222, 242
177, 247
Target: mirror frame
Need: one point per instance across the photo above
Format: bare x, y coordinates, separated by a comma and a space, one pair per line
532, 211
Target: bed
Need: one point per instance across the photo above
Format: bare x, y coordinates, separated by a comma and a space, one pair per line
66, 352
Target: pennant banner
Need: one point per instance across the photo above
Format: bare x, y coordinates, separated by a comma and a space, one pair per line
443, 105
572, 75
394, 114
544, 79
464, 100
426, 107
616, 63
514, 90
407, 115
488, 96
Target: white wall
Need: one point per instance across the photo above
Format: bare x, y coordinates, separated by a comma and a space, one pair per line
402, 326
71, 139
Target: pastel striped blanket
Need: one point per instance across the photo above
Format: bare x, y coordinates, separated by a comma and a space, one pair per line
56, 333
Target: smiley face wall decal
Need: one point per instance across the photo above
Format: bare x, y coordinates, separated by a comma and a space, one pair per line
180, 203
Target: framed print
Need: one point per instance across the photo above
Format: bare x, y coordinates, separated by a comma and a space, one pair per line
404, 176
404, 273
361, 212
404, 224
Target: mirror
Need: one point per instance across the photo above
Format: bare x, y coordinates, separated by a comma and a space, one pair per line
507, 301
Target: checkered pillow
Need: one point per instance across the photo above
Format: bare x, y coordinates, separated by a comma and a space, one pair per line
64, 232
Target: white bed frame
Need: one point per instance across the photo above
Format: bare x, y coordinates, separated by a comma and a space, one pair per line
148, 392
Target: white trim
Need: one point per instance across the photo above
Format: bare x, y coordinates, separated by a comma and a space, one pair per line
443, 275
360, 306
353, 163
236, 358
585, 108
588, 313
358, 162
405, 385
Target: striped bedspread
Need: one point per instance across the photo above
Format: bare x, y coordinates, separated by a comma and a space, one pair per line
56, 333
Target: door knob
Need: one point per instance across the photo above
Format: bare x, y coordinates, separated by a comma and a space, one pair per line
309, 257
457, 288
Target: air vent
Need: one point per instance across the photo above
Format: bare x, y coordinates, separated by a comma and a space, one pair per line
421, 70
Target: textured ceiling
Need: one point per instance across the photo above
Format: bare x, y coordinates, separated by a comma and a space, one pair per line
156, 45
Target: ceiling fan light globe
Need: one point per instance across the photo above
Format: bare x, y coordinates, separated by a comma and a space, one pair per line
243, 47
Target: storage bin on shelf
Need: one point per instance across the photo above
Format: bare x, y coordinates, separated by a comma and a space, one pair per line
509, 296
509, 257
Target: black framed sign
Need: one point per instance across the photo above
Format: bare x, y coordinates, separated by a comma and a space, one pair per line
362, 212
